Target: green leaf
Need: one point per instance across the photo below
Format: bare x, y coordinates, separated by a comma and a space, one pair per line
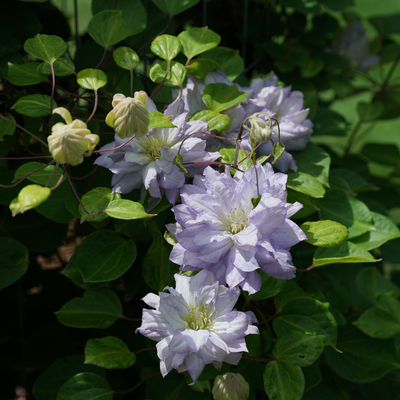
50, 381
269, 287
109, 27
381, 153
308, 316
41, 177
108, 352
220, 96
283, 381
126, 209
382, 321
324, 233
91, 78
314, 161
228, 154
26, 74
174, 7
104, 256
329, 123
363, 359
386, 24
166, 47
298, 349
369, 112
309, 204
385, 230
228, 59
71, 271
344, 253
157, 269
198, 40
85, 386
6, 128
13, 262
159, 120
354, 181
371, 284
29, 197
176, 75
352, 213
200, 67
338, 5
312, 375
277, 151
96, 201
216, 121
303, 6
62, 67
126, 58
178, 161
34, 105
312, 67
305, 183
133, 12
97, 309
45, 47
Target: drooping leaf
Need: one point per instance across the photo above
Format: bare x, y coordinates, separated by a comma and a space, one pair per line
346, 252
216, 121
166, 47
324, 233
91, 78
13, 262
26, 74
45, 47
198, 40
277, 151
159, 120
85, 386
343, 208
104, 256
97, 309
314, 161
109, 27
126, 209
305, 183
176, 74
174, 7
108, 352
220, 96
228, 59
126, 58
363, 359
34, 105
228, 154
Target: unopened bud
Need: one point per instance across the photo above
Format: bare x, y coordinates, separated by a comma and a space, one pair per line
70, 142
130, 115
260, 130
230, 386
29, 197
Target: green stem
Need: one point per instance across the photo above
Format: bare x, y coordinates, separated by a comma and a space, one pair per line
352, 136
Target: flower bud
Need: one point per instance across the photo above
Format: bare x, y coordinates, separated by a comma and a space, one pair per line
230, 386
68, 143
260, 130
130, 115
29, 197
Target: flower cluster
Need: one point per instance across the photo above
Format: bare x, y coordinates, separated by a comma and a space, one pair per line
228, 228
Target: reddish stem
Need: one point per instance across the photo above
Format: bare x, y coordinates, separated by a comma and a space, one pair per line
24, 158
102, 58
137, 385
146, 349
307, 269
52, 174
157, 89
166, 27
96, 98
115, 148
53, 86
86, 176
59, 181
180, 388
266, 360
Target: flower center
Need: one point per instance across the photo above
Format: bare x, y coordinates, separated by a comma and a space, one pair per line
152, 147
197, 318
236, 221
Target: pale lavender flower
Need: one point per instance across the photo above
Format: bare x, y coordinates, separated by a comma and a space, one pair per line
148, 162
218, 228
194, 324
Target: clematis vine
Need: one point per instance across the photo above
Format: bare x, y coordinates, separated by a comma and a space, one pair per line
234, 226
194, 324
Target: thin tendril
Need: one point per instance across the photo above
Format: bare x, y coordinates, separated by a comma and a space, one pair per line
96, 98
51, 175
53, 86
115, 148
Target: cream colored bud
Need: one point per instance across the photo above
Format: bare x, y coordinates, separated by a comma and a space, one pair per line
69, 143
130, 115
29, 197
230, 386
260, 130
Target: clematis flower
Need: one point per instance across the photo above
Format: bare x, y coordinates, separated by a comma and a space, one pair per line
148, 162
220, 230
194, 324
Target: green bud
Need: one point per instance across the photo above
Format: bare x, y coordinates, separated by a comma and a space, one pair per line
29, 197
260, 130
130, 115
70, 142
230, 386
